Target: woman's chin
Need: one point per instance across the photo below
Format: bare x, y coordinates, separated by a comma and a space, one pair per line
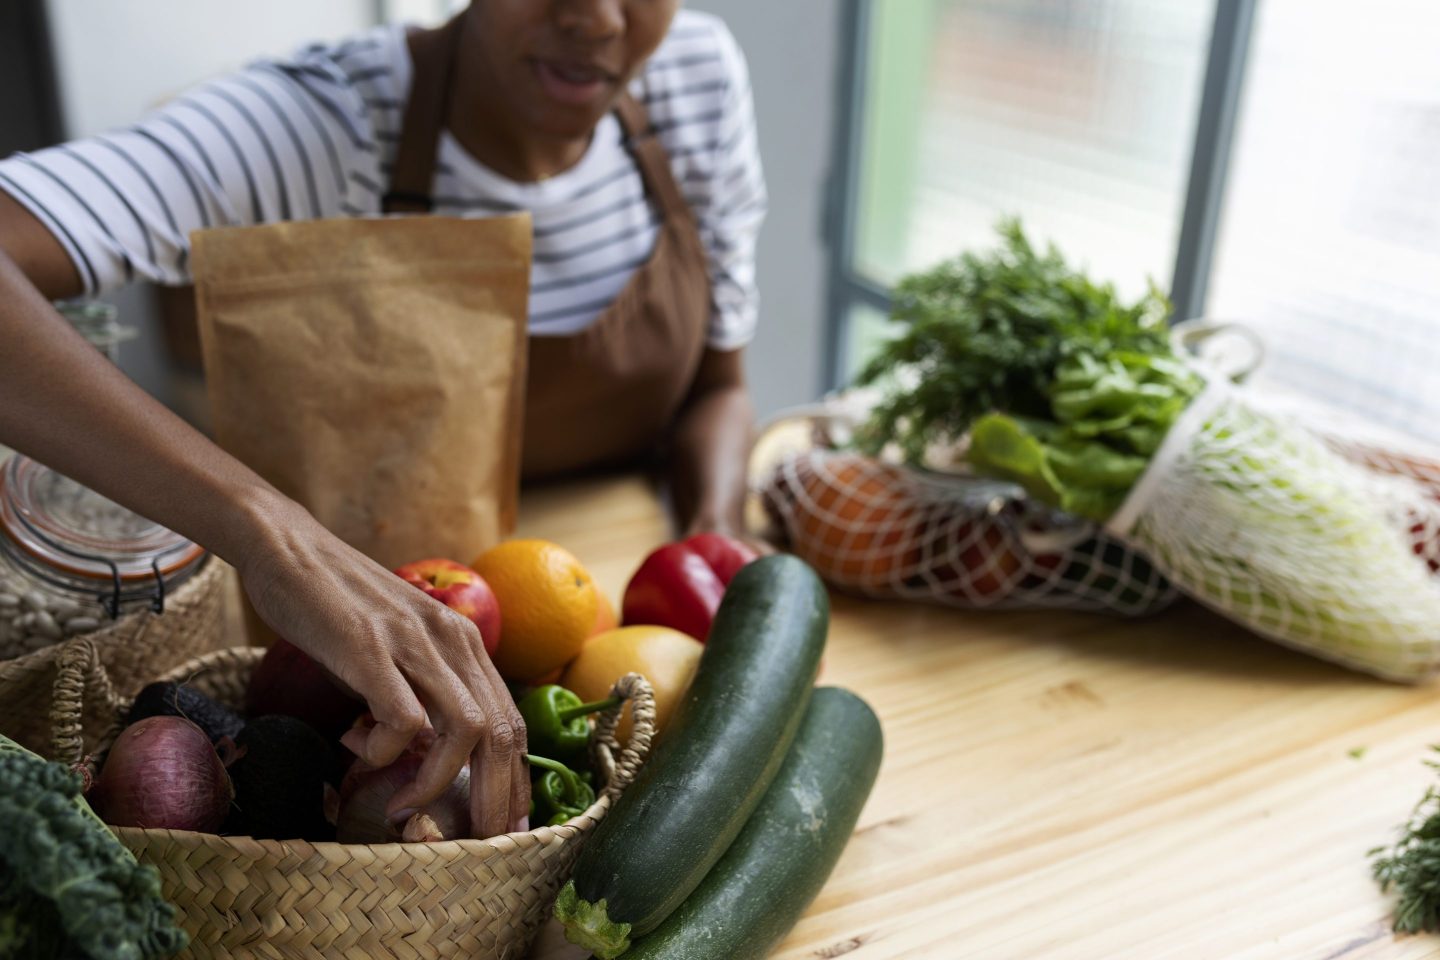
570, 125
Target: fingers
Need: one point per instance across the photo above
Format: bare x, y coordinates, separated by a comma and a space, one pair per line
504, 811
459, 724
500, 776
520, 794
475, 720
398, 718
493, 763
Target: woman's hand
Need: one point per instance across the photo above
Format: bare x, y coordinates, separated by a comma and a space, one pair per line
712, 438
409, 656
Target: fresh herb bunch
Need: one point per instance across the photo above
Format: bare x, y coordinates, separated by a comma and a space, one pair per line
67, 886
1412, 865
986, 332
1068, 389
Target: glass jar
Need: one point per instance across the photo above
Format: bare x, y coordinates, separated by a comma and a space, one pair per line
72, 561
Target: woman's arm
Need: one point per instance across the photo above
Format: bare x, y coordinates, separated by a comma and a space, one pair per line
712, 447
62, 403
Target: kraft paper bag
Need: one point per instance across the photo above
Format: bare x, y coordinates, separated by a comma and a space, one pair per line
374, 371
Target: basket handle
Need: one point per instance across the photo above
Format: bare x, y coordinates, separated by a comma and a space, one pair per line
80, 678
818, 416
619, 766
1188, 336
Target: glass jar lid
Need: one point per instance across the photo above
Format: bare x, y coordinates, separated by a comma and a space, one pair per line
72, 529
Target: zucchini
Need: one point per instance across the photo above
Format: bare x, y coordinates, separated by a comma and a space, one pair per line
782, 858
724, 745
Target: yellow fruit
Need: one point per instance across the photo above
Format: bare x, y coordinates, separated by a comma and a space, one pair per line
548, 605
665, 657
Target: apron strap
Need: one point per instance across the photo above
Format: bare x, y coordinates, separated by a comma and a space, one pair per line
650, 157
432, 58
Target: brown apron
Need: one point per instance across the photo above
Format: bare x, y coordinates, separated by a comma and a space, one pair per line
608, 394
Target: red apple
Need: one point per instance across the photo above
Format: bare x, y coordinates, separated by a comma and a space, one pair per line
462, 590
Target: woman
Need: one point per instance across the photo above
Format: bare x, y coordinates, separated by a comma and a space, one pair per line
624, 126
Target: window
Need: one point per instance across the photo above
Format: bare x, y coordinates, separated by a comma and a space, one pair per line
1107, 126
1330, 240
1076, 115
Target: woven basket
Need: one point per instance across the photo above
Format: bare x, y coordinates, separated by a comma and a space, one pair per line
244, 898
132, 649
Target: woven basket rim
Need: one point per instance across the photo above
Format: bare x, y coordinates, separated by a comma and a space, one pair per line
444, 849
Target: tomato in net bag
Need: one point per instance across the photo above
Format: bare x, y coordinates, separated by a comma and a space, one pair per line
889, 531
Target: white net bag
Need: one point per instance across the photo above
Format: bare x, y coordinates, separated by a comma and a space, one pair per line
1257, 517
1417, 517
888, 531
1385, 453
1234, 351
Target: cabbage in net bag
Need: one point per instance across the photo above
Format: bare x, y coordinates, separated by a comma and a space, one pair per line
1255, 516
1407, 468
1058, 385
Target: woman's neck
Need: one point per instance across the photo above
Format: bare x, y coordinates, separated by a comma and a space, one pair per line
490, 132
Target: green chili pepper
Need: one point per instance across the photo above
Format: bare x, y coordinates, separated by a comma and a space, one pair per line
555, 722
559, 794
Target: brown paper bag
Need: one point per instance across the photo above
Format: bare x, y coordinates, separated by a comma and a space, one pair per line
374, 371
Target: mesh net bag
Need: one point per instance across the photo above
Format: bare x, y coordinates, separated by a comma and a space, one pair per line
1256, 516
1235, 351
887, 531
1413, 504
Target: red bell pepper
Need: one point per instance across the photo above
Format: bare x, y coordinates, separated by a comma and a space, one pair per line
680, 584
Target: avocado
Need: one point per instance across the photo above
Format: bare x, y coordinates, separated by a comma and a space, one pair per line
279, 780
178, 700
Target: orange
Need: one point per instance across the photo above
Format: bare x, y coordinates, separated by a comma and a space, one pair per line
855, 520
548, 605
665, 657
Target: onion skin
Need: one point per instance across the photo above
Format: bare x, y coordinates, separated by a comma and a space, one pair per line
163, 774
366, 791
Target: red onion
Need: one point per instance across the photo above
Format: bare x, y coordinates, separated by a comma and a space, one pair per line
366, 791
287, 681
162, 773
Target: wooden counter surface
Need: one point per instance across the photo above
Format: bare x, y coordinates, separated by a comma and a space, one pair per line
1075, 786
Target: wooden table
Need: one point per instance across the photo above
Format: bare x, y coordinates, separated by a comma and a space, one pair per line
1074, 786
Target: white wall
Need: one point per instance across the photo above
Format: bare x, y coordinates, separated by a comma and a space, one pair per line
115, 59
792, 47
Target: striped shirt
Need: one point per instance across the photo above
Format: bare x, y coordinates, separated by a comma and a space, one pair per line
315, 136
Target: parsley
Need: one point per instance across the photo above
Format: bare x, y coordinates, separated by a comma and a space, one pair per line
1412, 865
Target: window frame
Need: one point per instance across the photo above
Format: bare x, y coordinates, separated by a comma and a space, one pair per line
1223, 83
